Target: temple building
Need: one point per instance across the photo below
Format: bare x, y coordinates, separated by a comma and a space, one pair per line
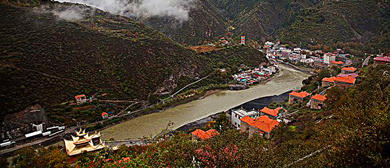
83, 142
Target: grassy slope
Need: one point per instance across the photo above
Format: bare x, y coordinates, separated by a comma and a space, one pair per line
307, 21
45, 60
206, 22
342, 21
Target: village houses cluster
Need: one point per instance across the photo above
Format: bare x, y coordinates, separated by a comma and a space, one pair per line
313, 59
256, 75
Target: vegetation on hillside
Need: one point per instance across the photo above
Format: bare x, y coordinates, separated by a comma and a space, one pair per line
47, 60
352, 131
360, 25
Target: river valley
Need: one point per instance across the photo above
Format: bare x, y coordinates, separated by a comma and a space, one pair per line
152, 124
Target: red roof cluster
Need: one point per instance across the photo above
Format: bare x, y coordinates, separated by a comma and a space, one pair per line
263, 123
272, 112
319, 97
204, 135
299, 94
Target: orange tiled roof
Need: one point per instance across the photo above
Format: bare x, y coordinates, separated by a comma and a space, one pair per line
272, 112
337, 62
205, 135
319, 97
79, 96
263, 123
300, 94
104, 113
331, 79
351, 69
247, 119
347, 79
212, 133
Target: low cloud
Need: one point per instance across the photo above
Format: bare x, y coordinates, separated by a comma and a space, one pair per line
69, 14
178, 9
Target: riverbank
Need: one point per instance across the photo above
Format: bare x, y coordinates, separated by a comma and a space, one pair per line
152, 124
308, 71
256, 104
141, 123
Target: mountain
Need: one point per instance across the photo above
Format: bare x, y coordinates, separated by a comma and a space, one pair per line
305, 22
339, 21
47, 60
205, 22
49, 54
211, 18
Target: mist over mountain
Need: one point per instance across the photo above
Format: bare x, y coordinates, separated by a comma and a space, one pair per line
178, 9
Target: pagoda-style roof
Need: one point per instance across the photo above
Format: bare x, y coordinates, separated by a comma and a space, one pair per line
74, 147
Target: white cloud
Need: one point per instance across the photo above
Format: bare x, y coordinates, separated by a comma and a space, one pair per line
178, 9
70, 14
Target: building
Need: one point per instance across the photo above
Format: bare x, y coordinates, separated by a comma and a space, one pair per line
22, 123
348, 70
80, 99
262, 125
243, 40
204, 135
104, 115
240, 113
272, 113
329, 57
345, 82
83, 142
340, 80
354, 75
295, 97
381, 60
328, 81
317, 101
336, 63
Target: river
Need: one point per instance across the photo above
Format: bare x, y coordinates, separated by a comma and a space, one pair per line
152, 124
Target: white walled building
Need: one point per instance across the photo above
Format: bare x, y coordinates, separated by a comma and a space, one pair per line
328, 57
240, 113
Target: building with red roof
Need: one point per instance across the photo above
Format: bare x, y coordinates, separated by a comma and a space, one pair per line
381, 60
317, 101
342, 81
262, 125
204, 135
297, 96
345, 82
104, 115
80, 99
348, 70
354, 75
336, 63
328, 81
273, 113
